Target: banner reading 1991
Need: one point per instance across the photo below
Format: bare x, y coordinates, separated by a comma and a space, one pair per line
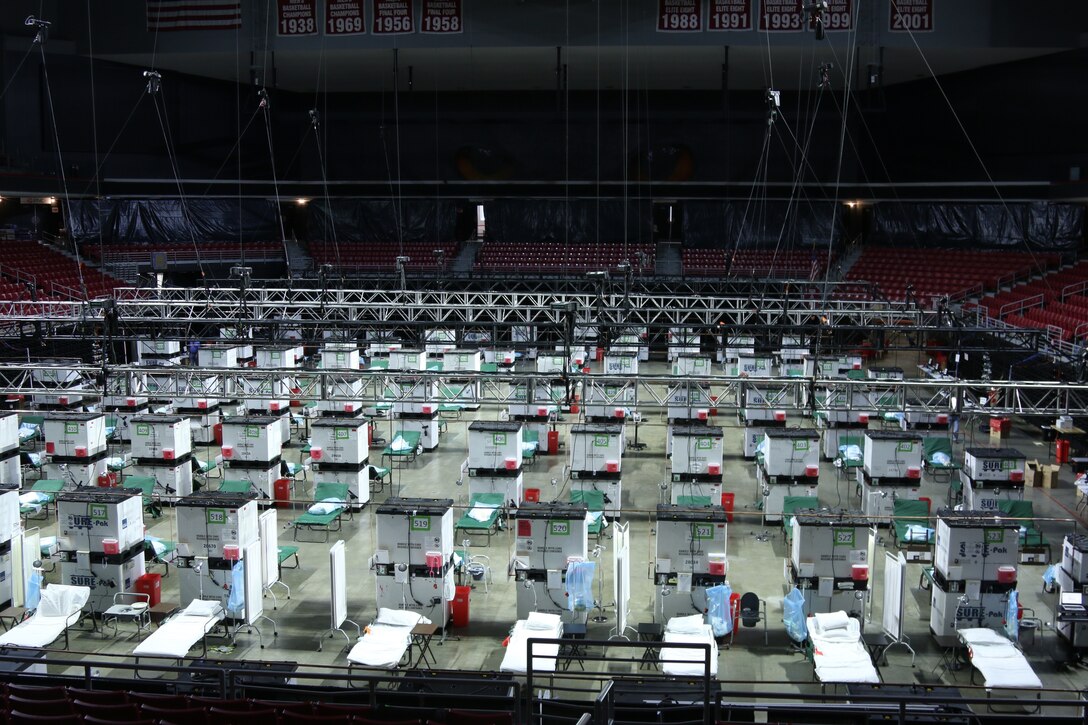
730, 15
679, 16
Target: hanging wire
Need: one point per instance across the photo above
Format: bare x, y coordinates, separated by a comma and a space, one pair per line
159, 102
264, 106
94, 144
60, 163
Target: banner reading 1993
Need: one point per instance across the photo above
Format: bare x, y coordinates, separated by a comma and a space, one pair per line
344, 17
392, 17
441, 16
679, 16
781, 16
730, 15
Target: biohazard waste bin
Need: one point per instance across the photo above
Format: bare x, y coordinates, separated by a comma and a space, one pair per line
728, 499
460, 606
281, 490
151, 585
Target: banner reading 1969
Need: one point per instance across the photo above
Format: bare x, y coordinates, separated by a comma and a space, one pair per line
679, 16
441, 16
344, 17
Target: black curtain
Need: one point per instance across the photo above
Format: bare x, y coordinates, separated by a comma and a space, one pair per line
578, 221
742, 224
1039, 225
377, 220
140, 221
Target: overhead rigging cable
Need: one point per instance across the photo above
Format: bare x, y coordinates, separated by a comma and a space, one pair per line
94, 144
974, 149
264, 106
315, 126
39, 40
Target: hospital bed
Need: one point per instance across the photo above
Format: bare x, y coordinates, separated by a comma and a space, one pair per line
386, 642
159, 551
330, 504
839, 656
146, 486
537, 625
207, 468
1032, 542
688, 662
790, 506
851, 452
999, 661
404, 448
484, 515
39, 498
28, 432
937, 459
60, 607
181, 632
594, 501
911, 529
694, 501
530, 445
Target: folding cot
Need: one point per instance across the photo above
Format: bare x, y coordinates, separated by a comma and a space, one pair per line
484, 515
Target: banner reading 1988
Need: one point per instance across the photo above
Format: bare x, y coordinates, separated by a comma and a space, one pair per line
296, 17
679, 16
730, 15
344, 17
392, 17
441, 16
910, 16
781, 16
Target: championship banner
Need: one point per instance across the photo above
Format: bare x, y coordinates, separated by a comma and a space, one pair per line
679, 16
839, 16
441, 16
344, 17
296, 17
782, 16
730, 15
910, 16
392, 17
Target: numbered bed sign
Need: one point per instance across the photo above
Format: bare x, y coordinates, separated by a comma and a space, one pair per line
679, 16
392, 17
781, 16
344, 17
296, 17
729, 15
910, 16
441, 16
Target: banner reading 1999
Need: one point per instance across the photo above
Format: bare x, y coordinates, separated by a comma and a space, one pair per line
679, 16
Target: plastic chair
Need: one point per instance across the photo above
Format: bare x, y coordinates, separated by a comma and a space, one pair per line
240, 717
752, 611
98, 697
171, 703
468, 717
16, 717
119, 711
40, 706
56, 692
90, 720
176, 716
239, 705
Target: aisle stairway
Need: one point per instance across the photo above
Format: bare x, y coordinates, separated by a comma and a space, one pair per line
668, 263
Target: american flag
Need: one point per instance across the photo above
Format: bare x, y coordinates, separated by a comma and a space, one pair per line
814, 271
193, 15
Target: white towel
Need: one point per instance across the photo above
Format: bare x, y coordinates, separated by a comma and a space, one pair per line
482, 511
830, 621
399, 444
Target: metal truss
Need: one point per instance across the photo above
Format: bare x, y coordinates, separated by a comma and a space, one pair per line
647, 393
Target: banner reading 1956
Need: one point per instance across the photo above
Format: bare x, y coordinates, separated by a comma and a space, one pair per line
679, 16
344, 17
910, 16
441, 16
392, 17
781, 16
730, 15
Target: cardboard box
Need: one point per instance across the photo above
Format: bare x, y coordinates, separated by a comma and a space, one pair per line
1033, 474
1050, 474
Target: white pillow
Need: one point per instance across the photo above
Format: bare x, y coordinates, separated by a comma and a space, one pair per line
693, 624
320, 509
830, 621
400, 617
202, 608
540, 621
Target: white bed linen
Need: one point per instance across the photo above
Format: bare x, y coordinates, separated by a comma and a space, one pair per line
545, 656
689, 662
177, 635
59, 607
386, 639
1001, 663
839, 654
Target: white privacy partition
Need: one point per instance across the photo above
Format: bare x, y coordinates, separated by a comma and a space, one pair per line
268, 531
621, 574
254, 589
338, 599
25, 550
895, 586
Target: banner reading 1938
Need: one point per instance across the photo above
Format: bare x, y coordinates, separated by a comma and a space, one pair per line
679, 16
441, 16
296, 17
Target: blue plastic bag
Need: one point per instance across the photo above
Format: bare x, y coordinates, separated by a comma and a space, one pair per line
793, 615
717, 609
1050, 577
1012, 616
236, 602
580, 585
34, 589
